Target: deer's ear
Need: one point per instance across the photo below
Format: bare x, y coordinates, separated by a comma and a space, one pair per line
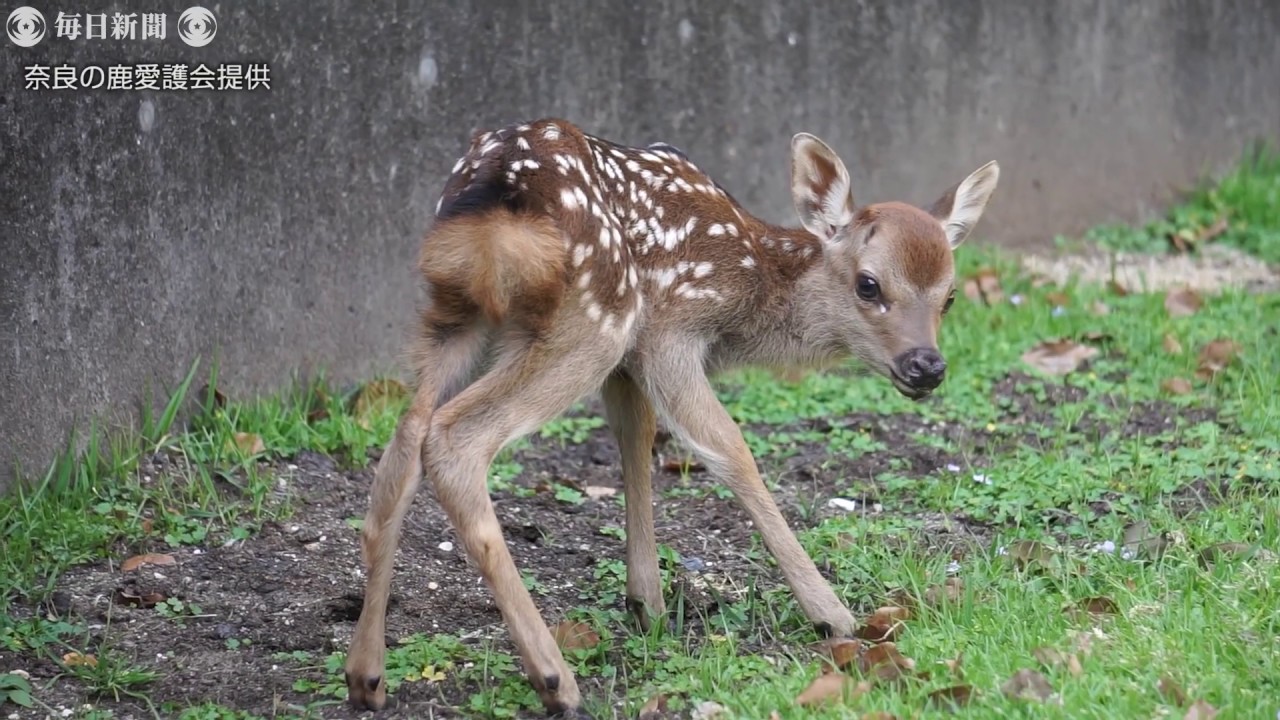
820, 187
961, 207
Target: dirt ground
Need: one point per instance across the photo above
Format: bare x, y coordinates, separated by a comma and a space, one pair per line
296, 585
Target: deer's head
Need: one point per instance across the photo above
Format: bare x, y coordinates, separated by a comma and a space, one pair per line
891, 263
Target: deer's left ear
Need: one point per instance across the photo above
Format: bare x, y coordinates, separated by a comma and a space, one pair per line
820, 187
961, 207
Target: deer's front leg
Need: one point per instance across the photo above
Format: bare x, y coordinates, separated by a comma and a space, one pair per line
675, 381
634, 425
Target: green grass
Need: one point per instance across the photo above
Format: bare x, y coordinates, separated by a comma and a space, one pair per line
1247, 199
1212, 628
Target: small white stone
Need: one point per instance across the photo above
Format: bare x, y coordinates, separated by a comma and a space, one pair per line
433, 585
843, 504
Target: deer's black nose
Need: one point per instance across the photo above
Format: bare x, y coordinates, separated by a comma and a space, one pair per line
921, 368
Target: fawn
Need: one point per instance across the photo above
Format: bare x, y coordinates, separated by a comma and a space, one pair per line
560, 263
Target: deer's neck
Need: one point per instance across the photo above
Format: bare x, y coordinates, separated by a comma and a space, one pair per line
791, 319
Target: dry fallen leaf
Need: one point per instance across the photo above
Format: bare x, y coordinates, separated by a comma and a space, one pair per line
956, 695
956, 666
1186, 239
842, 652
1058, 299
212, 396
1058, 357
595, 492
884, 624
1139, 538
1117, 288
247, 443
1215, 357
1097, 307
884, 662
1026, 553
1092, 606
318, 404
1221, 551
138, 600
73, 659
1073, 666
1177, 386
1027, 685
1182, 302
572, 635
1047, 656
1200, 710
984, 286
831, 687
949, 591
138, 561
654, 707
1171, 692
1171, 344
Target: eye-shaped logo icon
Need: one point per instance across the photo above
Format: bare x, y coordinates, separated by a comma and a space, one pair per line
197, 26
25, 26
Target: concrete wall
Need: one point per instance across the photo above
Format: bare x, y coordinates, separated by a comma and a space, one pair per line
275, 229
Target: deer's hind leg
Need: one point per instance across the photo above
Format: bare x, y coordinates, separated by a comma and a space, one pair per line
446, 357
531, 382
634, 425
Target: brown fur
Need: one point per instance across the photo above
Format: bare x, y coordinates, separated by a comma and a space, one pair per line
496, 260
562, 264
920, 245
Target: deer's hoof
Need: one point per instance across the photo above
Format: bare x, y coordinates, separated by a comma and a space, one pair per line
646, 616
366, 692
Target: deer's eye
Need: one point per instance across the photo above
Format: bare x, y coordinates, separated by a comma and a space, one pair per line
867, 287
946, 307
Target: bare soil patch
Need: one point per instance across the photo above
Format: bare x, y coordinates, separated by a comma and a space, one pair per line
295, 586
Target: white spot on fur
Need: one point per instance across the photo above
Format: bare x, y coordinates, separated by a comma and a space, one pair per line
748, 262
695, 293
716, 230
580, 254
593, 310
523, 143
585, 280
569, 199
526, 164
664, 278
551, 132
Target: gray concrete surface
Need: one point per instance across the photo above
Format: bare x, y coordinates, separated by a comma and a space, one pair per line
275, 230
